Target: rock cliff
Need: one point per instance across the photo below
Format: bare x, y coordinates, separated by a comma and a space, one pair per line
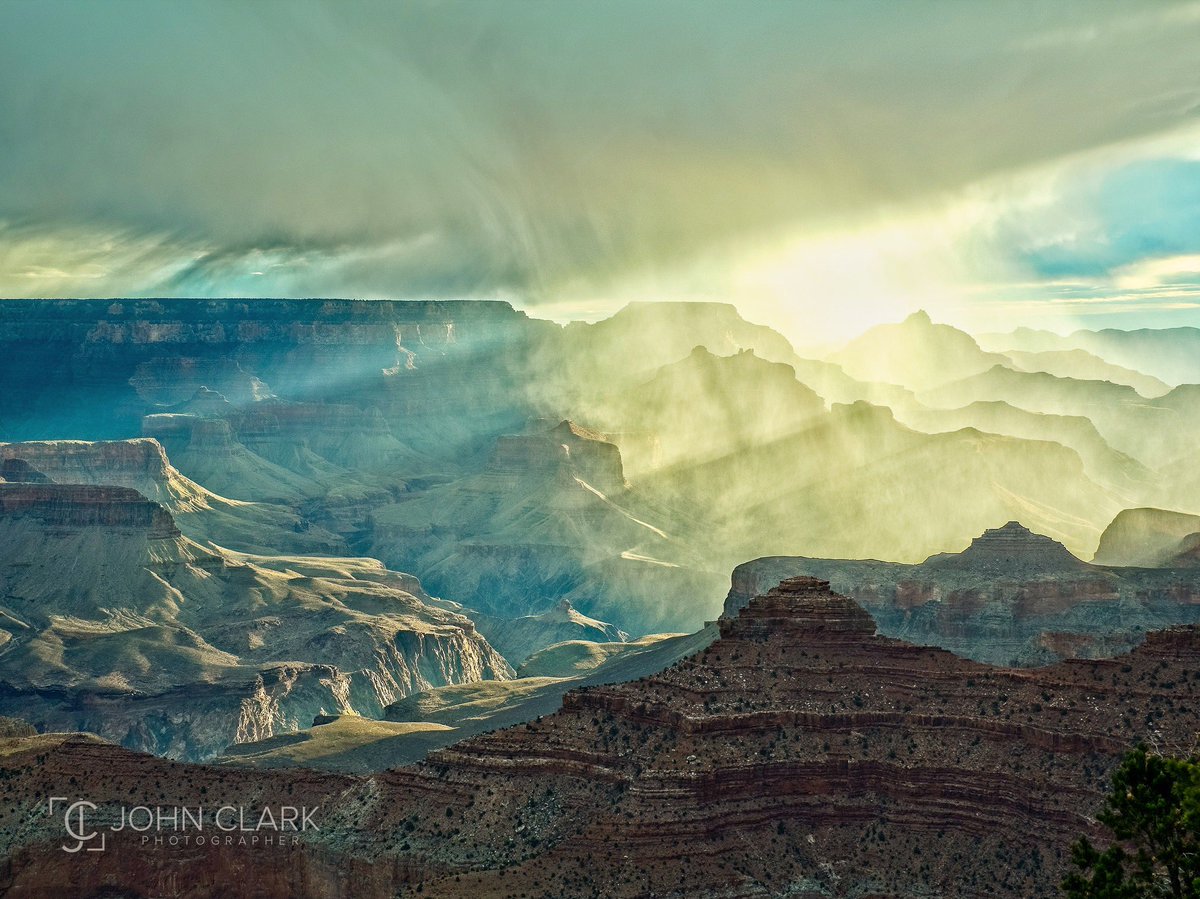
799, 754
1011, 597
142, 465
172, 647
1145, 537
71, 508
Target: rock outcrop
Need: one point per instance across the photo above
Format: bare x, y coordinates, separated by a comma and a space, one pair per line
804, 607
1011, 551
113, 621
799, 754
1011, 597
1145, 537
142, 465
566, 451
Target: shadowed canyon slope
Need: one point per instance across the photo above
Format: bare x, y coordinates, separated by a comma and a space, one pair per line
593, 482
799, 754
113, 621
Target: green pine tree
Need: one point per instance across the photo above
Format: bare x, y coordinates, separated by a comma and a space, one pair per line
1153, 812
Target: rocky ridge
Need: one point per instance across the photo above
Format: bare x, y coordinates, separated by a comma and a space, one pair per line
799, 754
1011, 597
163, 644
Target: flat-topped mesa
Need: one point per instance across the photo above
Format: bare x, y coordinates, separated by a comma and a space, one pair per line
800, 607
76, 506
1012, 549
567, 449
128, 462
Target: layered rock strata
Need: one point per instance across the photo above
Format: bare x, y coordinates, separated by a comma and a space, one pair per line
800, 754
113, 621
1011, 597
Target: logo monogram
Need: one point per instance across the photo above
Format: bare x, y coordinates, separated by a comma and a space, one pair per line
76, 825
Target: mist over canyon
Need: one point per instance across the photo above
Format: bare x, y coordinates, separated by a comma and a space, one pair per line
690, 449
268, 538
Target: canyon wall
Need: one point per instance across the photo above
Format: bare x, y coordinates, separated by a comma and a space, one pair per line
800, 754
1011, 597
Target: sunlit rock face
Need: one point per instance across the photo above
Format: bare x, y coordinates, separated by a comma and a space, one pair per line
432, 435
1011, 597
202, 515
800, 753
116, 623
1151, 538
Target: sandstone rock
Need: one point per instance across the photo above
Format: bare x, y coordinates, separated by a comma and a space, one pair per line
804, 606
798, 754
1012, 596
117, 623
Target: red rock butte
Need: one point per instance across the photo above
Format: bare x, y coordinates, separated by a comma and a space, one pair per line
800, 606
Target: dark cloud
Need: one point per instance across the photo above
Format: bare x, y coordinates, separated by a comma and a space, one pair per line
520, 146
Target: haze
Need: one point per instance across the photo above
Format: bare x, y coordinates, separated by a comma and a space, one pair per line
824, 166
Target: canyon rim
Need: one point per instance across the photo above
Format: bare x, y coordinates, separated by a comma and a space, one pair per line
675, 449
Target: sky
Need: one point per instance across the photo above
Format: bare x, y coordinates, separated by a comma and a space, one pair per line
825, 166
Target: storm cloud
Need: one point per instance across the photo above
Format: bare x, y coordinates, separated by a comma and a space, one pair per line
529, 149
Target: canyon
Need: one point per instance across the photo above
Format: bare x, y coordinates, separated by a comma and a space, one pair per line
350, 422
800, 753
461, 578
114, 622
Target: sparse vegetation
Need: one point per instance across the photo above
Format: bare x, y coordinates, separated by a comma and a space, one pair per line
1153, 815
